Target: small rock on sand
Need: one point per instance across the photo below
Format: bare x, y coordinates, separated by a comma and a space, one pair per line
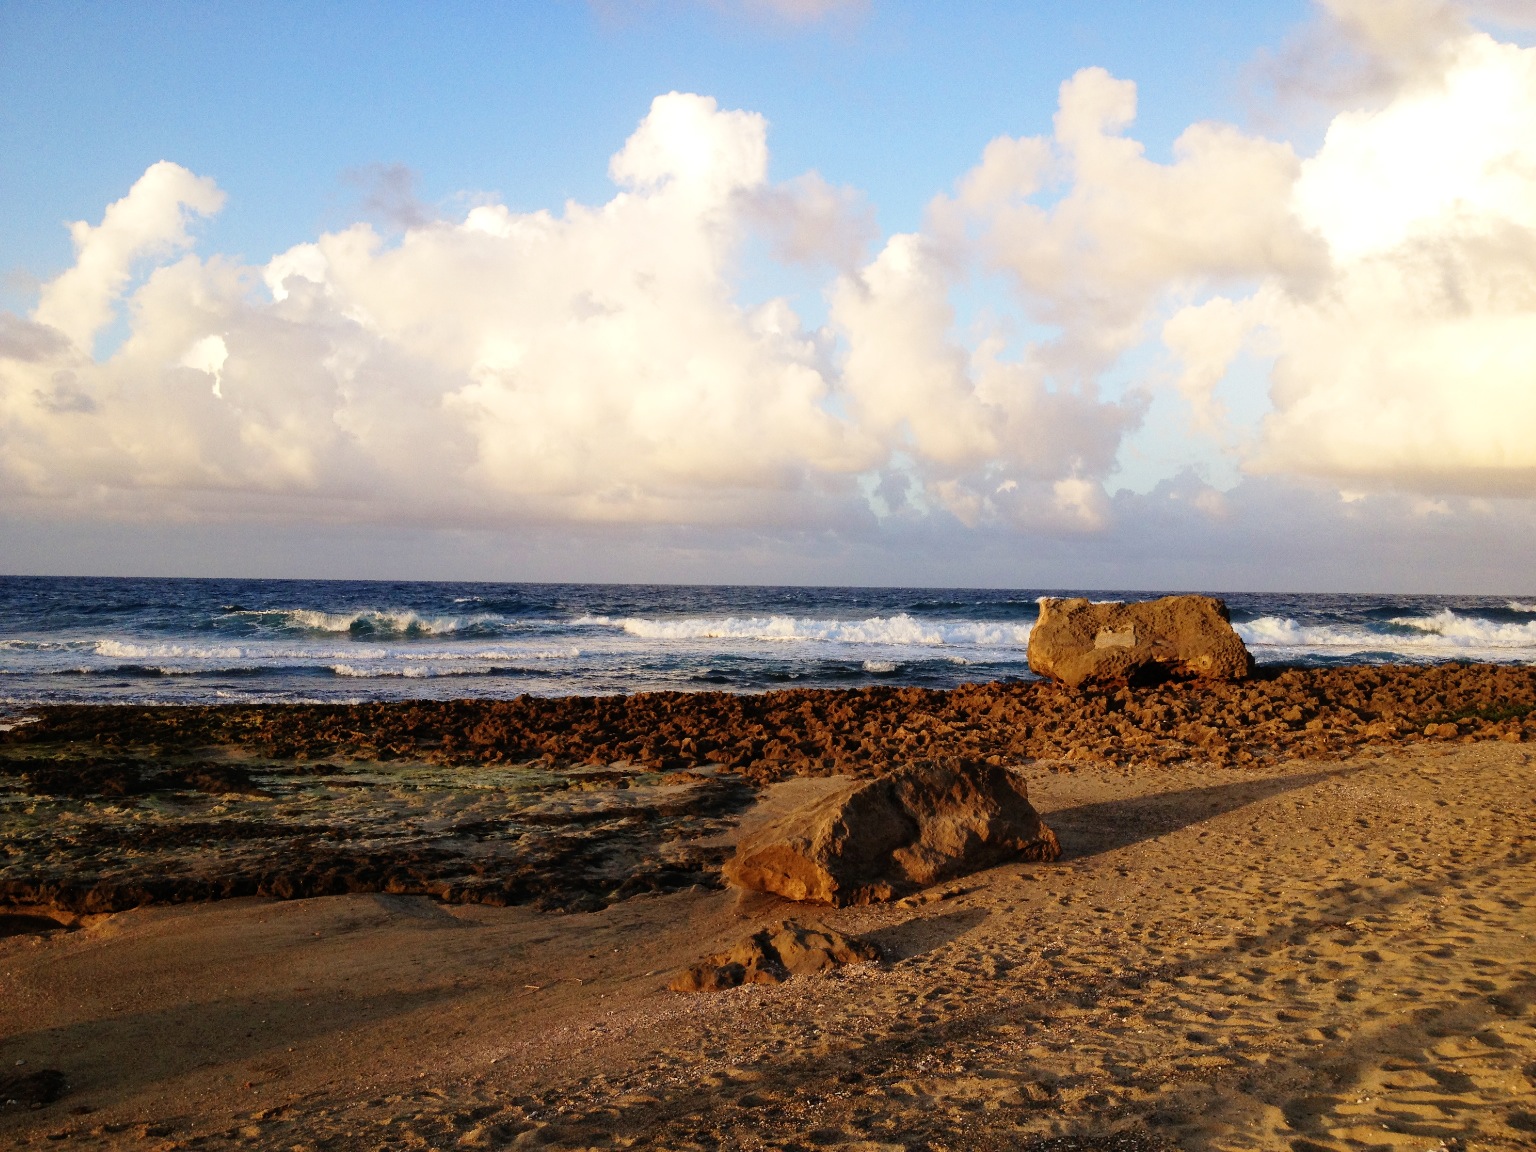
878, 839
774, 954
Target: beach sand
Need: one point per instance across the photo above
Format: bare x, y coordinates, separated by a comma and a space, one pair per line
1298, 954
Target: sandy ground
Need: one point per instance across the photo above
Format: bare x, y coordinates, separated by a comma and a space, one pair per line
1305, 957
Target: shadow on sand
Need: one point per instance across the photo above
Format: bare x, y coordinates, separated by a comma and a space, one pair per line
1091, 829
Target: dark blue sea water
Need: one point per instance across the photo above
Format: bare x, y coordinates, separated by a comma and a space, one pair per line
228, 640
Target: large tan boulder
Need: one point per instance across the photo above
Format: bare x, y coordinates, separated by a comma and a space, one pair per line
878, 839
774, 954
1081, 643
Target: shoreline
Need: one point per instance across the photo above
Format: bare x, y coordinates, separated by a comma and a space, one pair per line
1279, 710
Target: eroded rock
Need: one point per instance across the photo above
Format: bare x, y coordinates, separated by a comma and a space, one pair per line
1079, 642
774, 954
878, 839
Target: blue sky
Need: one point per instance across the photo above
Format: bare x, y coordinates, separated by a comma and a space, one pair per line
888, 292
283, 102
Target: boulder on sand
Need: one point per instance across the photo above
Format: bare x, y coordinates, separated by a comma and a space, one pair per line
878, 839
1082, 643
773, 955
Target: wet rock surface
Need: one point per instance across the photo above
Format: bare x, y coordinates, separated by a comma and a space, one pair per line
774, 954
1079, 642
577, 802
879, 839
105, 836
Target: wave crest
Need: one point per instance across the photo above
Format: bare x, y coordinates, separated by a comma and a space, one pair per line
1445, 633
901, 629
377, 621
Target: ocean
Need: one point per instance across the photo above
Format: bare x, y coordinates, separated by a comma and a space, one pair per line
213, 641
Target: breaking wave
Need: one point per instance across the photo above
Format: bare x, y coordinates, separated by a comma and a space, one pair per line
1444, 635
417, 671
901, 629
374, 621
120, 650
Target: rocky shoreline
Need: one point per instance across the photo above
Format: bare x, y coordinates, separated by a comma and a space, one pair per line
1279, 712
574, 803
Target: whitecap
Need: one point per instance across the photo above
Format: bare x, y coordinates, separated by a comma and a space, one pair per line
1471, 631
377, 621
901, 629
1442, 634
121, 650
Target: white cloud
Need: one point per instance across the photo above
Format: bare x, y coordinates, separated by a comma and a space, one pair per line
208, 355
972, 420
1389, 280
808, 221
1411, 366
600, 364
594, 365
1099, 258
150, 221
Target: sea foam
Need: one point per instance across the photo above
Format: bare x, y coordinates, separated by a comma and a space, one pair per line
1444, 634
900, 630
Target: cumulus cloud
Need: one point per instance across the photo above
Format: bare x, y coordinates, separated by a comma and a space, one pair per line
808, 221
990, 436
1388, 281
600, 364
1096, 236
1411, 366
150, 221
594, 365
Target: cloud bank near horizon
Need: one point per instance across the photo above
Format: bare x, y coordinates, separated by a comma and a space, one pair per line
598, 365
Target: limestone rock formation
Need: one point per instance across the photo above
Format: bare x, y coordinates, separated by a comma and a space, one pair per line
878, 839
1082, 643
773, 955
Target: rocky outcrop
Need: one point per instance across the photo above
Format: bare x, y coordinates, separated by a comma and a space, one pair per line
1079, 642
878, 839
773, 955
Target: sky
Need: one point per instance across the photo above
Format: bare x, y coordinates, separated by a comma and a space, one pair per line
1228, 297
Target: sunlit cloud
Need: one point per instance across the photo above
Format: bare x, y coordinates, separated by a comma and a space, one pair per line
594, 365
603, 364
